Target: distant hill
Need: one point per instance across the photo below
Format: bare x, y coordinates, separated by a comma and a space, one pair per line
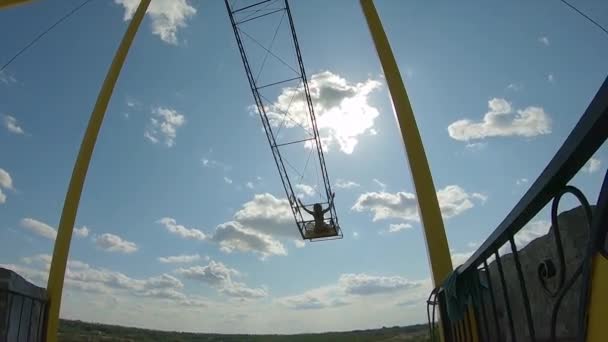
93, 332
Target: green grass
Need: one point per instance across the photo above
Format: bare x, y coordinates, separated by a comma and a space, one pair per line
82, 331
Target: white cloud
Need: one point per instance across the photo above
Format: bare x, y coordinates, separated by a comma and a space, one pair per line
501, 120
459, 258
380, 184
521, 181
592, 165
233, 236
305, 190
220, 277
181, 231
5, 179
551, 78
343, 184
11, 124
179, 259
47, 231
7, 78
240, 290
299, 243
268, 214
164, 125
227, 180
167, 16
472, 244
544, 40
84, 277
39, 228
394, 228
81, 232
351, 288
5, 182
386, 205
249, 185
476, 146
483, 198
212, 163
215, 273
364, 284
356, 235
453, 200
514, 86
114, 243
342, 109
321, 298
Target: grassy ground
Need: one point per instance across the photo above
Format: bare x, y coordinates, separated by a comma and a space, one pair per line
81, 331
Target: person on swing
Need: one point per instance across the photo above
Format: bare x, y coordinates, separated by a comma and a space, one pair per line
318, 213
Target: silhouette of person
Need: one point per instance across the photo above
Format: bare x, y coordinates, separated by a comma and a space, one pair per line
318, 212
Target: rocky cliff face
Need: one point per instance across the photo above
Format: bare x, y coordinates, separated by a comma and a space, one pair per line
574, 231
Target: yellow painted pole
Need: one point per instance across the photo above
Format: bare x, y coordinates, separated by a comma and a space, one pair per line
598, 301
438, 251
72, 198
432, 222
10, 3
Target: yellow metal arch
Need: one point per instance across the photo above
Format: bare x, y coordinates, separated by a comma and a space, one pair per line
10, 3
432, 222
72, 198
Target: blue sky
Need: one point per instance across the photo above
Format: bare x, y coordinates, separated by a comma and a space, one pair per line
186, 224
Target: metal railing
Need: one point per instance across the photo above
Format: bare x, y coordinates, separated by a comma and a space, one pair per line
479, 303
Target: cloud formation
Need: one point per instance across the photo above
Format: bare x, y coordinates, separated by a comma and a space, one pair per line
230, 236
268, 214
363, 284
220, 277
11, 124
592, 165
84, 277
342, 109
6, 182
39, 228
81, 232
347, 289
304, 190
167, 16
172, 227
114, 243
394, 228
453, 200
163, 126
179, 259
233, 236
343, 184
502, 121
5, 179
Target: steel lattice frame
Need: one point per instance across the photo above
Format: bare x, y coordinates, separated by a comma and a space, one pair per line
276, 148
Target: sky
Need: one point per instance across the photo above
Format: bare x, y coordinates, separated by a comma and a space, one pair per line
183, 222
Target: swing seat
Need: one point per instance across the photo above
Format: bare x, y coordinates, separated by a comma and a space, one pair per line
325, 231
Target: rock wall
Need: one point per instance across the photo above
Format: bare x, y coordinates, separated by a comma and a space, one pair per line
574, 231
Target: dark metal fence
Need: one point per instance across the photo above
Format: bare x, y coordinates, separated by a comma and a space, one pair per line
22, 309
539, 292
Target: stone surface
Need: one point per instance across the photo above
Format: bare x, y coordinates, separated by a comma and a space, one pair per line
574, 231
